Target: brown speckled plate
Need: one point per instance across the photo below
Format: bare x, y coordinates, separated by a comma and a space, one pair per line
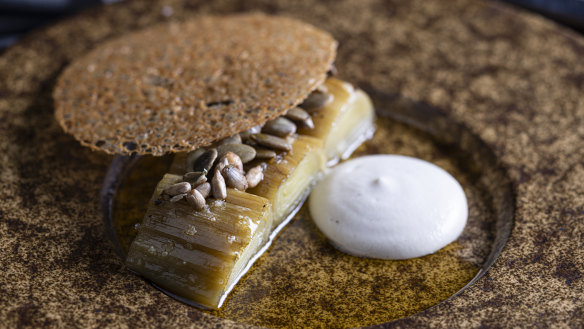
513, 80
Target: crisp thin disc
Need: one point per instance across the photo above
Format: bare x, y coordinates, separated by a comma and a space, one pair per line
178, 86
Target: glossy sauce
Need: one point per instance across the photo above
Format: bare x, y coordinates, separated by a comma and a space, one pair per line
302, 281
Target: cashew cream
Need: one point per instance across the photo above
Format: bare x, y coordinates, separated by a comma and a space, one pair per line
389, 207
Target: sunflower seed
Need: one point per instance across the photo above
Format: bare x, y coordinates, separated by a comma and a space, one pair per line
332, 71
253, 130
254, 176
220, 165
195, 178
234, 178
300, 116
178, 197
308, 123
316, 100
233, 159
204, 189
272, 142
178, 188
196, 200
235, 139
218, 186
264, 154
245, 152
205, 162
280, 126
192, 157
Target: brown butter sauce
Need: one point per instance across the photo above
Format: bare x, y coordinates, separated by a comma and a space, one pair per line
302, 281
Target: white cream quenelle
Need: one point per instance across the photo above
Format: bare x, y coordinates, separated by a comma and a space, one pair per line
389, 207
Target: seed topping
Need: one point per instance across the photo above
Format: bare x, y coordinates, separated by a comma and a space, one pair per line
178, 188
234, 178
218, 186
178, 197
301, 117
265, 154
193, 156
281, 127
226, 160
317, 99
253, 130
272, 142
254, 176
195, 178
245, 152
205, 161
196, 200
233, 159
235, 139
204, 189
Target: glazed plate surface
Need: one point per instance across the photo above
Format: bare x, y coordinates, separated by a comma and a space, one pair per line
504, 116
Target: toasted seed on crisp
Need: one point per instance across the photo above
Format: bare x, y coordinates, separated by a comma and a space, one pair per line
196, 200
205, 162
218, 186
233, 159
235, 139
253, 130
245, 152
254, 176
178, 197
234, 178
204, 189
265, 154
195, 178
300, 116
272, 142
316, 100
178, 188
193, 156
280, 126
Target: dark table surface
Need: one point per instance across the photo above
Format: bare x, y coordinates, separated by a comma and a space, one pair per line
18, 17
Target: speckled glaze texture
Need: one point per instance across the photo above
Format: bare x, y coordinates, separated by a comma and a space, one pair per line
513, 79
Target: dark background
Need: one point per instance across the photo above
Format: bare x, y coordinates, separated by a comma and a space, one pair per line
19, 16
